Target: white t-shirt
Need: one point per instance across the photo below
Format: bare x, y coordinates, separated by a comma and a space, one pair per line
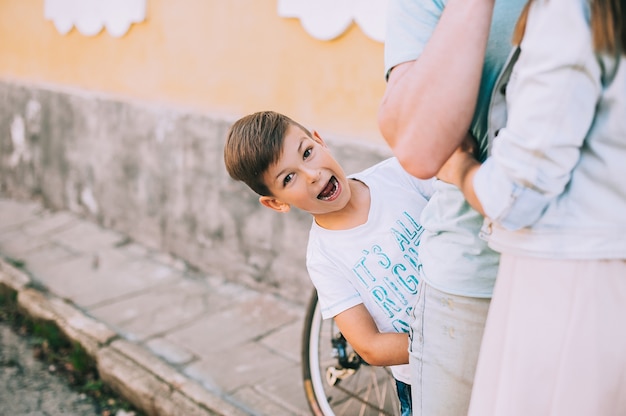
376, 263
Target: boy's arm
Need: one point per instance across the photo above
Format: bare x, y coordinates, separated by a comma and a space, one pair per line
376, 348
429, 102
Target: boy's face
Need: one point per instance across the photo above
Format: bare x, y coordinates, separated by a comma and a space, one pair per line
306, 176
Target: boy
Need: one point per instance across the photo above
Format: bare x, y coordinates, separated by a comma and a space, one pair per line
362, 253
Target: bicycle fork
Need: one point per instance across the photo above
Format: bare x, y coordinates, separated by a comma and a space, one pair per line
348, 363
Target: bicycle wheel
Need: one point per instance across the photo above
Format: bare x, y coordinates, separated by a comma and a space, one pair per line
336, 380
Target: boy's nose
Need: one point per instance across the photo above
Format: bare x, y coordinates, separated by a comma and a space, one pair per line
313, 175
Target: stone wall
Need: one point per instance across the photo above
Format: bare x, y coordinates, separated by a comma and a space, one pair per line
156, 174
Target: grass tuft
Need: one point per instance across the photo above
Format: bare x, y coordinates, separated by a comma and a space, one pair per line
66, 358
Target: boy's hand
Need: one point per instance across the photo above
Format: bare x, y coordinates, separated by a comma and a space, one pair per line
455, 169
375, 347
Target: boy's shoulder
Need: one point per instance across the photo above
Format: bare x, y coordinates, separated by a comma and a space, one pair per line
391, 173
381, 168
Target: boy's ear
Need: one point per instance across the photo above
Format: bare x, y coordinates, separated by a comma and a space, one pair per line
275, 204
318, 138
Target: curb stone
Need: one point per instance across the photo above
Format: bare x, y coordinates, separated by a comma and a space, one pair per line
146, 382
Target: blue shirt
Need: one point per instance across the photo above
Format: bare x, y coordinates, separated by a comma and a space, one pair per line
455, 259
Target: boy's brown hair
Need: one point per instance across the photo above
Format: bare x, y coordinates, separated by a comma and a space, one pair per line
253, 144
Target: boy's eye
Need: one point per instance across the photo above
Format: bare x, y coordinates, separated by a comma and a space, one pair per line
307, 153
287, 179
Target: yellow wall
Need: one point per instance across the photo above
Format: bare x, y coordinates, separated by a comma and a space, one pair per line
229, 57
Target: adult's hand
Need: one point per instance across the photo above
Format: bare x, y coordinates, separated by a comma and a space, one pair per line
464, 157
460, 169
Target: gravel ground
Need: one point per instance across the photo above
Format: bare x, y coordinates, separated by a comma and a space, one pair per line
29, 387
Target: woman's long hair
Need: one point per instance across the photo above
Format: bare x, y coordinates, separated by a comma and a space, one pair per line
608, 21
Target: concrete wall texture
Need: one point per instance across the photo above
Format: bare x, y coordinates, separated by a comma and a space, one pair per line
224, 57
128, 131
156, 174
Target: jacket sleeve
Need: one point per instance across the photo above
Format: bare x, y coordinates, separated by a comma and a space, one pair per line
551, 99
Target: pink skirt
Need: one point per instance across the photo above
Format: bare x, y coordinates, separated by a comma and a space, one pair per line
555, 340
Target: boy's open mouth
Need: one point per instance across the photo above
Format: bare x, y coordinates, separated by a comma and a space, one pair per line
330, 190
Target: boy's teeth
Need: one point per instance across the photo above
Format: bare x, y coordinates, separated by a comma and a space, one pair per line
329, 189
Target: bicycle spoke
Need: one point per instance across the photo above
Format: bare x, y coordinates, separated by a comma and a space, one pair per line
365, 402
363, 397
339, 382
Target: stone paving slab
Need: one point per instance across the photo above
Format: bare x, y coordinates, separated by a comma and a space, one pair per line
15, 214
40, 256
47, 223
173, 341
89, 284
142, 315
277, 389
87, 237
242, 322
15, 244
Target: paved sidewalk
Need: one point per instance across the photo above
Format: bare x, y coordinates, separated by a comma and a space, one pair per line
174, 342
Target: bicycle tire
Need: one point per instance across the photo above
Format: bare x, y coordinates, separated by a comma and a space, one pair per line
360, 389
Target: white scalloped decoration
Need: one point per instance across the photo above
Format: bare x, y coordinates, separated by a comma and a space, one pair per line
90, 16
328, 19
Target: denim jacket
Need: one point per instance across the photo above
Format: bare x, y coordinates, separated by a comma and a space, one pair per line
555, 183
